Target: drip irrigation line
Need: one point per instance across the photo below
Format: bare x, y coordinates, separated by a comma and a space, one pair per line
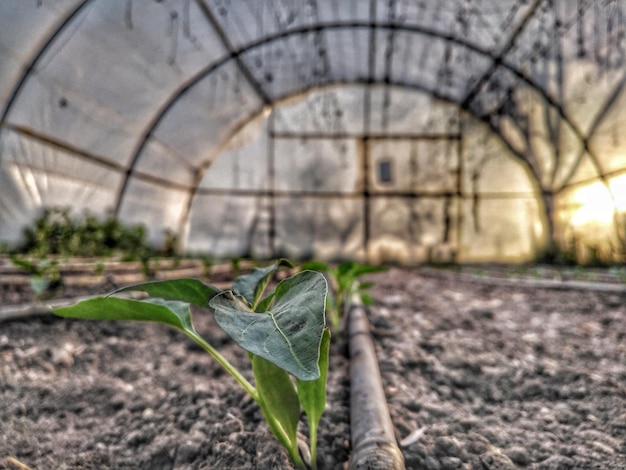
517, 281
373, 440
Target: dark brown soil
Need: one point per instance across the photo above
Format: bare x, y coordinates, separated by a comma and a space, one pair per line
478, 376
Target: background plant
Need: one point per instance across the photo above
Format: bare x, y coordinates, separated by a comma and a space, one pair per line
45, 277
57, 232
344, 285
283, 331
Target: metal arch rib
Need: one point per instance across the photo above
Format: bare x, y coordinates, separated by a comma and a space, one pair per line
232, 55
497, 60
36, 57
233, 52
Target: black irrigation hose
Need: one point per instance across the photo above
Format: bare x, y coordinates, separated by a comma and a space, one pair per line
374, 444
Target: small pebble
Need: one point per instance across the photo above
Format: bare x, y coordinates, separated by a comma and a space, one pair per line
556, 462
432, 463
495, 460
519, 455
448, 447
478, 445
413, 437
451, 463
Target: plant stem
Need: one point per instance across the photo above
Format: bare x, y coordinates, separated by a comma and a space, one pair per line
313, 446
283, 438
248, 387
293, 451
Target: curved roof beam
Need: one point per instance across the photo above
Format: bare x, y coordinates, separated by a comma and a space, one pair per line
497, 60
232, 54
36, 57
608, 104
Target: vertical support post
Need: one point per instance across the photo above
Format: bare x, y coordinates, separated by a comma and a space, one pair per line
365, 169
271, 181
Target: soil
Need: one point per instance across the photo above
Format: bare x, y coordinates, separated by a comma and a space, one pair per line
479, 375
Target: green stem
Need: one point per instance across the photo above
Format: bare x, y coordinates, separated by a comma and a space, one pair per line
283, 438
292, 448
294, 453
248, 387
313, 444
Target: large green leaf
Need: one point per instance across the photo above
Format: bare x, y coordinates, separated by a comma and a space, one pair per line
312, 393
289, 333
278, 401
170, 312
192, 291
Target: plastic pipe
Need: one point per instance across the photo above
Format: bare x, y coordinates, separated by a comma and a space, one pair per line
374, 445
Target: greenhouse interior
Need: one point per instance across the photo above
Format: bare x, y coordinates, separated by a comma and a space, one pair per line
400, 131
423, 198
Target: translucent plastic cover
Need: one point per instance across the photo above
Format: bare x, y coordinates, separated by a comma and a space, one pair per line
382, 130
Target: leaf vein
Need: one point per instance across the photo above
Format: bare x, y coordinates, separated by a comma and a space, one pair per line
289, 345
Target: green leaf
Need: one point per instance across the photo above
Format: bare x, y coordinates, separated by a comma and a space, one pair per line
312, 393
289, 333
264, 305
364, 285
39, 284
192, 291
345, 268
169, 312
278, 401
251, 286
315, 265
247, 285
25, 264
367, 299
172, 313
357, 269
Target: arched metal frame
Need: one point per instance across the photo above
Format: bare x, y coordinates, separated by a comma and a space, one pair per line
497, 61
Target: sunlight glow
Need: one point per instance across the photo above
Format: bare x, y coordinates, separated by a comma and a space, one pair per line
594, 205
618, 188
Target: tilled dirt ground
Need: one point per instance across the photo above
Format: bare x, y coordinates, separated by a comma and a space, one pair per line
478, 375
497, 377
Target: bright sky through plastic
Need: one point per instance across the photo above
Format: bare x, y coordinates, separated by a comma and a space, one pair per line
596, 204
618, 188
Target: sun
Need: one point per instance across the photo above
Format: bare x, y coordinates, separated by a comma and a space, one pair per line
597, 203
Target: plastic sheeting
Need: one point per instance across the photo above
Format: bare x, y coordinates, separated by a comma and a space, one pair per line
399, 130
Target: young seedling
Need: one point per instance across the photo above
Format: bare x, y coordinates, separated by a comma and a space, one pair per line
284, 333
45, 278
345, 284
